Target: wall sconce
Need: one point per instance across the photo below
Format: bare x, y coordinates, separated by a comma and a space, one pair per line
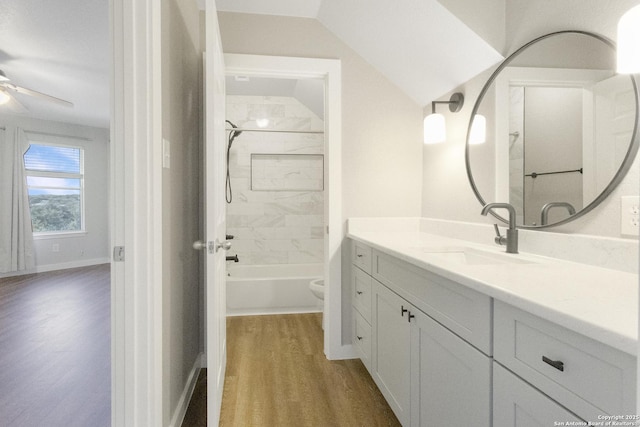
629, 42
478, 133
434, 124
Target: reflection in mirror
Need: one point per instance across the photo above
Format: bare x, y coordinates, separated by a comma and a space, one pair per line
561, 129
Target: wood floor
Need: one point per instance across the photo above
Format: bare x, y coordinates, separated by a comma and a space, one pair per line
55, 347
278, 376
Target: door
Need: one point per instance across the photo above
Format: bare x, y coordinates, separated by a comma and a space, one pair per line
214, 215
450, 379
612, 128
391, 355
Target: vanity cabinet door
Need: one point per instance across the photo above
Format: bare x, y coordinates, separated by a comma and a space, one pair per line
450, 379
391, 349
362, 339
517, 404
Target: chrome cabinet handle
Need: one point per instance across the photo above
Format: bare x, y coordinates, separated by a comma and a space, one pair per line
411, 316
555, 363
359, 255
359, 292
359, 338
403, 311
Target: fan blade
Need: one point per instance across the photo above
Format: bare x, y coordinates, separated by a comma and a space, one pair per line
16, 106
35, 93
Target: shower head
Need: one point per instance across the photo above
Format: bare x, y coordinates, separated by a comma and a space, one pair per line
236, 133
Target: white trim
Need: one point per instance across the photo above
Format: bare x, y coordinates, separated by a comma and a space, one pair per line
61, 266
187, 393
347, 351
330, 71
136, 213
59, 235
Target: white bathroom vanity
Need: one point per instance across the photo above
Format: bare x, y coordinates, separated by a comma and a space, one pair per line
458, 332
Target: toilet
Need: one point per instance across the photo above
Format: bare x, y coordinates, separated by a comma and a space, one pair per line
316, 286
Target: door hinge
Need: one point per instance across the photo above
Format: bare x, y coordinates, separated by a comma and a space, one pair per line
118, 254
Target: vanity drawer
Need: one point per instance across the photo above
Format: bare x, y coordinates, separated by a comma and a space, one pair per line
361, 293
587, 377
464, 311
361, 256
362, 339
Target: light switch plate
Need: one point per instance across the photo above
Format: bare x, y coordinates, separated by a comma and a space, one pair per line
630, 216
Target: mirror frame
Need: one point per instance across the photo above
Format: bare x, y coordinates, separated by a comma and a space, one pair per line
617, 178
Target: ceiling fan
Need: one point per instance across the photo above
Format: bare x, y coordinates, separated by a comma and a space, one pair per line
6, 97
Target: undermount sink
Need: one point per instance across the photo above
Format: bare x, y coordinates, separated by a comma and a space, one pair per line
471, 256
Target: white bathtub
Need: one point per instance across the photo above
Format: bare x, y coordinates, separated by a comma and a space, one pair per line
271, 289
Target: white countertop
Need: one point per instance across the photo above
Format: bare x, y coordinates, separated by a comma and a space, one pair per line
597, 302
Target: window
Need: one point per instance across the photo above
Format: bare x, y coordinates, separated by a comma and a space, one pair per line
55, 178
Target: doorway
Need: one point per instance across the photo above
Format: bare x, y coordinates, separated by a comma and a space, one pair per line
328, 71
274, 195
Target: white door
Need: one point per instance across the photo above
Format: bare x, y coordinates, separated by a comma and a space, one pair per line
391, 349
614, 118
517, 404
214, 215
450, 379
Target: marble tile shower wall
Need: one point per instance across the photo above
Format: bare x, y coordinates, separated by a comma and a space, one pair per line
274, 227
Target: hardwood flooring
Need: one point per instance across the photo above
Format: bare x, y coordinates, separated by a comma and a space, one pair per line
277, 376
55, 349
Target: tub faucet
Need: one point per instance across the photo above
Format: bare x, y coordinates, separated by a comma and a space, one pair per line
544, 217
511, 239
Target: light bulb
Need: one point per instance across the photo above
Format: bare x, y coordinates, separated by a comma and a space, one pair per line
4, 97
478, 133
434, 129
629, 42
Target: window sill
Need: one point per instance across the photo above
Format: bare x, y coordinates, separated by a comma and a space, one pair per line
61, 235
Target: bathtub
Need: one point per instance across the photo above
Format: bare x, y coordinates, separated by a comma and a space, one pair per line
272, 289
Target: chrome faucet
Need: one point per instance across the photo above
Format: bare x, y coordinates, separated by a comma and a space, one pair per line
544, 217
511, 239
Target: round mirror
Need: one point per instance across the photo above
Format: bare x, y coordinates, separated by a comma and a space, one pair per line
559, 129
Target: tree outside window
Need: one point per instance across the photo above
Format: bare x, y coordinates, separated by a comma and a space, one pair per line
55, 181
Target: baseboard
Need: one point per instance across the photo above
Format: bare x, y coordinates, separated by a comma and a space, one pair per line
270, 311
185, 398
343, 352
61, 266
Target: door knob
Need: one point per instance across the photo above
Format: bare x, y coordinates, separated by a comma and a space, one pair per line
199, 245
226, 245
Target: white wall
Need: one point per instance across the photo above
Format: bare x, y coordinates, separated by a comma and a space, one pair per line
381, 126
91, 247
446, 191
552, 124
181, 125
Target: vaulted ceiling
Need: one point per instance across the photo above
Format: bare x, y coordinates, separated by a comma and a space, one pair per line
417, 44
62, 48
